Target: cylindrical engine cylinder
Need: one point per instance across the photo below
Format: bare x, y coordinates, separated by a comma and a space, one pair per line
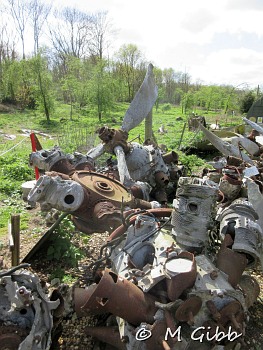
194, 211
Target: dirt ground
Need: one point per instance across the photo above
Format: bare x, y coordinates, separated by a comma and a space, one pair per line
72, 329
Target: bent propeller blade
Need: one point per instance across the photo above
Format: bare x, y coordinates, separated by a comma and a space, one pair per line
142, 103
224, 147
253, 125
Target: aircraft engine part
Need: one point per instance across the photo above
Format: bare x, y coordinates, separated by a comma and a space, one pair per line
94, 200
56, 160
182, 272
45, 159
230, 187
142, 103
54, 192
113, 138
171, 157
143, 255
121, 298
239, 221
231, 262
81, 162
144, 162
250, 289
222, 305
194, 212
26, 319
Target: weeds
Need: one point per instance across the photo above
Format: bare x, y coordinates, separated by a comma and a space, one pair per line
61, 247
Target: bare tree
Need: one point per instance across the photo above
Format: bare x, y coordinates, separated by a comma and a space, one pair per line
38, 13
19, 12
72, 33
184, 81
7, 43
101, 30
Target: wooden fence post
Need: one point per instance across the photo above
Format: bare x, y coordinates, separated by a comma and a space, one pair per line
14, 238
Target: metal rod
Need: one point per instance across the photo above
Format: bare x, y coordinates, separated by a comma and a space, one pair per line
181, 138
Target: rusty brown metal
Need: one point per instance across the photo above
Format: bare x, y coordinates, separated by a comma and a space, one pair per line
80, 295
250, 288
63, 166
182, 270
100, 208
213, 310
121, 298
137, 192
231, 262
234, 161
109, 335
158, 331
171, 157
101, 187
11, 337
228, 314
161, 179
9, 341
113, 138
188, 309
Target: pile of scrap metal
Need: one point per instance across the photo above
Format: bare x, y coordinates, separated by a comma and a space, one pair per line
176, 276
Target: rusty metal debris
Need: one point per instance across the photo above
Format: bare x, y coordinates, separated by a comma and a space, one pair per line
173, 275
191, 292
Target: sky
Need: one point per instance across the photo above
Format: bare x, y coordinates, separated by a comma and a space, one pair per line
215, 41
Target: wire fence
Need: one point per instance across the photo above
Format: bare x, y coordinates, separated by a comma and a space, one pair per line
75, 138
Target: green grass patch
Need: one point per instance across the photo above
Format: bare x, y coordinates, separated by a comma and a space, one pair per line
9, 207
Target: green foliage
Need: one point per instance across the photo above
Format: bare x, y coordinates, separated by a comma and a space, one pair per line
130, 68
12, 205
101, 88
246, 101
63, 276
13, 172
60, 245
192, 162
42, 82
166, 107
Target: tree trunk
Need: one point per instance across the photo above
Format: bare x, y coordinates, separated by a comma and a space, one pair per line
44, 97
